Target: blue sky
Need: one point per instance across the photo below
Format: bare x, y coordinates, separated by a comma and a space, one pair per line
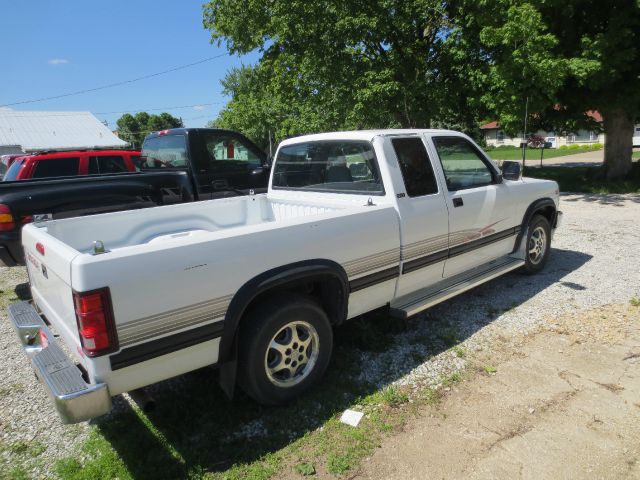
54, 47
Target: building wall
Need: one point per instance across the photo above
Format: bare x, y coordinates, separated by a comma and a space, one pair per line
496, 138
10, 149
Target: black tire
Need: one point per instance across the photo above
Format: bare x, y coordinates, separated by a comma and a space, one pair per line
537, 244
293, 370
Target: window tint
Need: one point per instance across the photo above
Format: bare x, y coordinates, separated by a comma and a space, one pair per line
56, 167
13, 171
415, 165
107, 164
332, 166
164, 151
462, 164
225, 148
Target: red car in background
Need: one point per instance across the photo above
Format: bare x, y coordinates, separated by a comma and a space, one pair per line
71, 163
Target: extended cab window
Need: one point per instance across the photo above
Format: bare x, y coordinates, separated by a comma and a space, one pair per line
107, 164
328, 166
462, 164
415, 165
164, 151
56, 167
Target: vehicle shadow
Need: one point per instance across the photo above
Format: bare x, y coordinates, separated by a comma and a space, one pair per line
195, 429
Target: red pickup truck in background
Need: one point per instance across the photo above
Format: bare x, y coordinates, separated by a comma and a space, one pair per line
77, 162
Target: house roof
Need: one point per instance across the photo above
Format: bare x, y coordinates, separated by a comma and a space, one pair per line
597, 116
593, 114
55, 130
490, 125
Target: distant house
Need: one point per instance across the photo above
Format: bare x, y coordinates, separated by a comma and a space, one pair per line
25, 132
495, 136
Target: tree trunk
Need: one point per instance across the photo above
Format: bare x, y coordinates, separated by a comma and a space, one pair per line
618, 145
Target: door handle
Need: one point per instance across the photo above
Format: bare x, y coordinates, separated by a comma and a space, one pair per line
457, 202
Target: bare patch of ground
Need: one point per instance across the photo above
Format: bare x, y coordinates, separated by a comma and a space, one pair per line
563, 402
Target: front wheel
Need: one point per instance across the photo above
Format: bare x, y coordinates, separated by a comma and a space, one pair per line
285, 348
538, 244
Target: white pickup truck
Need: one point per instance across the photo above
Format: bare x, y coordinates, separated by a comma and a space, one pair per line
352, 221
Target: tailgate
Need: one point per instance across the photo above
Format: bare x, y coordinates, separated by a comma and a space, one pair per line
48, 263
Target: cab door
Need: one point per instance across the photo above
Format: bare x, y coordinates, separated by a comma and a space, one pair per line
423, 215
482, 224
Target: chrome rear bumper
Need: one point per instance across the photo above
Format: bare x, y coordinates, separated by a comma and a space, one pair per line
74, 399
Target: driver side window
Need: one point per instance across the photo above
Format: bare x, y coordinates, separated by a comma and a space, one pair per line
462, 164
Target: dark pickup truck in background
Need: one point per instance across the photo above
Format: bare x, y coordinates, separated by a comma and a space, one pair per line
178, 165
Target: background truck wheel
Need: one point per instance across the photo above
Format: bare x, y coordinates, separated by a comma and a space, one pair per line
538, 243
285, 348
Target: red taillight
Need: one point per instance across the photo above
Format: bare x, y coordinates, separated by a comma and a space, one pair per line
40, 248
163, 132
96, 324
7, 223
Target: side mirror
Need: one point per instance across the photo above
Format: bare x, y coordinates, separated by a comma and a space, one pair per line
511, 170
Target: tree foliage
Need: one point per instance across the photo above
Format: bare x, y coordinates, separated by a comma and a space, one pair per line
133, 128
341, 65
568, 57
347, 64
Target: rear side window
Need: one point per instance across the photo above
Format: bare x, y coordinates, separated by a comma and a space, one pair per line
164, 151
107, 164
462, 164
415, 165
56, 167
226, 148
331, 166
13, 171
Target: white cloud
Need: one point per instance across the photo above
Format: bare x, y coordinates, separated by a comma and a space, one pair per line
200, 108
58, 61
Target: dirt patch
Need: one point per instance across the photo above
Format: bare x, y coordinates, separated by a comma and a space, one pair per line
562, 403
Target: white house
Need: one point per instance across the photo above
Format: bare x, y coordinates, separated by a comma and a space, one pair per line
495, 136
24, 132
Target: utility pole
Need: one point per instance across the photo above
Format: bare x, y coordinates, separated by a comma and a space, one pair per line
524, 133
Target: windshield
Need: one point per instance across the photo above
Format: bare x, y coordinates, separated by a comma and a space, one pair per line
164, 151
14, 169
328, 166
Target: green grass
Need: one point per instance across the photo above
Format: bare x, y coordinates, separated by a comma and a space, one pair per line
636, 154
634, 302
195, 432
515, 153
587, 179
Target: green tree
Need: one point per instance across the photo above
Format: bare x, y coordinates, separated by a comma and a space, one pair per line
133, 128
567, 57
340, 64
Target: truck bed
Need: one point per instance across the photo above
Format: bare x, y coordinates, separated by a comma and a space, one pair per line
204, 221
174, 268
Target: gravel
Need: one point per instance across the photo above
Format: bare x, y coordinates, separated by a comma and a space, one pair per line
594, 262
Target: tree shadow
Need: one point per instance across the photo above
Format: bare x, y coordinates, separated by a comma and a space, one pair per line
613, 199
195, 429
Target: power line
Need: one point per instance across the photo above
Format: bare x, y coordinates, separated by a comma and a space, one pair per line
71, 114
116, 84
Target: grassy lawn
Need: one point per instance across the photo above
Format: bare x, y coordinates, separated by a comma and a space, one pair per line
514, 153
585, 179
196, 433
636, 154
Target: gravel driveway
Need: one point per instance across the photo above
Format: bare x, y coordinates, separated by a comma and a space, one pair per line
594, 262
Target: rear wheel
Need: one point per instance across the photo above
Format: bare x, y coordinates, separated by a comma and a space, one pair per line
538, 243
285, 348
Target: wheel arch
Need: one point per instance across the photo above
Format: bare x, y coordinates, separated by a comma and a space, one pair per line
328, 274
543, 206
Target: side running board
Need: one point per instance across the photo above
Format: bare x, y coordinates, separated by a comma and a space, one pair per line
419, 301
